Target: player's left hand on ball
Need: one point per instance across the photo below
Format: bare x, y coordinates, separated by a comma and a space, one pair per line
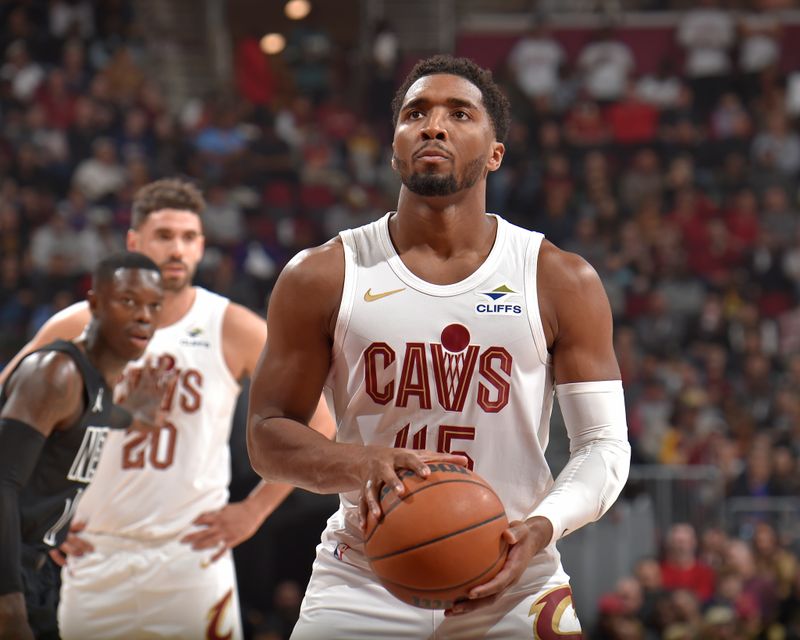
222, 529
525, 540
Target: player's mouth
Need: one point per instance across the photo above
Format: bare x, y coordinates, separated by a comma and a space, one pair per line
432, 153
139, 339
173, 269
431, 158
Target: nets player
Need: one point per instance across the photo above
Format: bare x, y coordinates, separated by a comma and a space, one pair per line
157, 520
439, 330
56, 414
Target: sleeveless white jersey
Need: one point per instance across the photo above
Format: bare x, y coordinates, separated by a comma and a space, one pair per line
462, 368
151, 486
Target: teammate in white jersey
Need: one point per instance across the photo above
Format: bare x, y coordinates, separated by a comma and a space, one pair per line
151, 554
440, 332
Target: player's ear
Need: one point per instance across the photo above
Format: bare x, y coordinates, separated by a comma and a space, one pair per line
496, 158
132, 240
394, 160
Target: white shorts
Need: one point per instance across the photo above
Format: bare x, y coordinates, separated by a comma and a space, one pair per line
344, 602
132, 589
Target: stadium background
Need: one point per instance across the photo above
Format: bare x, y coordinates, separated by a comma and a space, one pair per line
657, 139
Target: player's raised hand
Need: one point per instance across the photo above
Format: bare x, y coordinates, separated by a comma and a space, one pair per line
379, 467
525, 540
145, 395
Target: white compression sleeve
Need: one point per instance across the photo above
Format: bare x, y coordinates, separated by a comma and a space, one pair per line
600, 455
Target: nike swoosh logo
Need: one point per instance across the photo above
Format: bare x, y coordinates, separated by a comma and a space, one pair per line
372, 297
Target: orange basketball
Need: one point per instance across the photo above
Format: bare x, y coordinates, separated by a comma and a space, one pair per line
440, 539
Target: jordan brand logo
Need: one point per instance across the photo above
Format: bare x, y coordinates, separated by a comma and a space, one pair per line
98, 402
372, 297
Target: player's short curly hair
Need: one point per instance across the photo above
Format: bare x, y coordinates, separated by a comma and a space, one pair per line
167, 193
493, 98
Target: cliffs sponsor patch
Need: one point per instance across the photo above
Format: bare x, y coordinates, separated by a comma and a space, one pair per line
500, 301
194, 338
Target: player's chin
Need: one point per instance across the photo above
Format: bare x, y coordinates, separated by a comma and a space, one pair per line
134, 347
175, 282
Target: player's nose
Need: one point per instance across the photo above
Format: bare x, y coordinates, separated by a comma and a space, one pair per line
434, 128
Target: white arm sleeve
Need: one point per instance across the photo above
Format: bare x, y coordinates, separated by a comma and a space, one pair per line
600, 455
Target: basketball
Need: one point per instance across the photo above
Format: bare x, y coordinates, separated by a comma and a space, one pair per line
440, 539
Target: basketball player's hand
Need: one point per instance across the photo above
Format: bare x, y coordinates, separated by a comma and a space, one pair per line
74, 545
379, 467
145, 395
223, 529
525, 540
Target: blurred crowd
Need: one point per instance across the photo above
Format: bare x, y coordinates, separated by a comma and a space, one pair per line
679, 185
713, 588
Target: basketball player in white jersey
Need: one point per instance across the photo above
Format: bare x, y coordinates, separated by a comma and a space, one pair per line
152, 558
442, 332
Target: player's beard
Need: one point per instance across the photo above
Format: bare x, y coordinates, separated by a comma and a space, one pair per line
432, 184
177, 283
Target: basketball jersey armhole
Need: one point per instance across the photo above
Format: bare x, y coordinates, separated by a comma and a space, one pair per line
220, 306
531, 267
350, 247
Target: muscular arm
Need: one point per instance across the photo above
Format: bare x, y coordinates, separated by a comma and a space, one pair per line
67, 324
288, 380
579, 325
287, 384
27, 418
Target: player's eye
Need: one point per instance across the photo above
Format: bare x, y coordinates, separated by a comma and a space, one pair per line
461, 115
415, 114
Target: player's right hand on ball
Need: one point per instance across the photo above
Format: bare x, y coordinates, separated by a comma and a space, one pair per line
380, 467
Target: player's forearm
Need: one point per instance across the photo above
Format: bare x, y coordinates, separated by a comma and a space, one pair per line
599, 462
587, 486
285, 451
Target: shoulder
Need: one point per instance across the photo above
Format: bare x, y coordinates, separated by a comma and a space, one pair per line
316, 266
564, 269
568, 289
241, 322
310, 286
43, 376
67, 323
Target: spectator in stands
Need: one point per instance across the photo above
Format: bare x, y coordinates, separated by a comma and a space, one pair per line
606, 64
102, 174
633, 121
759, 44
255, 80
661, 88
680, 566
643, 180
758, 599
24, 73
707, 33
383, 65
777, 147
534, 62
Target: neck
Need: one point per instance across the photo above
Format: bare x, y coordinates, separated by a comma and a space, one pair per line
447, 224
176, 305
